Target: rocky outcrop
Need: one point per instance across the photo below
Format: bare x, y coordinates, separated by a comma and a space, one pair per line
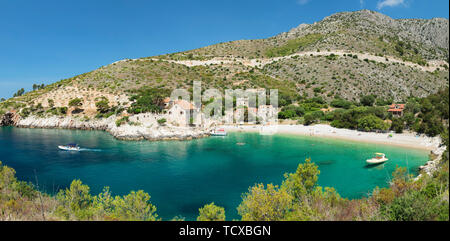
432, 165
66, 123
433, 33
124, 132
11, 118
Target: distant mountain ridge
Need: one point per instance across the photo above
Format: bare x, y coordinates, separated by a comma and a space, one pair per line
345, 55
355, 31
433, 32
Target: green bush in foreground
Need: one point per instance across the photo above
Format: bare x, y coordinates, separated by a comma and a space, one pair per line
211, 212
298, 198
76, 203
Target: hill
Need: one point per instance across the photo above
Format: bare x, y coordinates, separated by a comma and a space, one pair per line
346, 55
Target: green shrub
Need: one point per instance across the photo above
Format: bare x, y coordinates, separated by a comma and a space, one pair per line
415, 206
162, 121
371, 123
148, 100
75, 102
397, 125
341, 103
367, 100
122, 121
294, 45
211, 212
291, 112
102, 105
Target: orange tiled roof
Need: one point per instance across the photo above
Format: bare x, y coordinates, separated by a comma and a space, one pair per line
397, 106
184, 104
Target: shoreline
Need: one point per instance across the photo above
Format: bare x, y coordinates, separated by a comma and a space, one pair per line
155, 132
125, 131
407, 140
138, 133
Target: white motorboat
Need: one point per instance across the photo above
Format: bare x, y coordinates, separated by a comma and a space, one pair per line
69, 147
218, 132
378, 159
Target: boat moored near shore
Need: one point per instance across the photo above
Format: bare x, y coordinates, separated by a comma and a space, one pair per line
378, 159
219, 132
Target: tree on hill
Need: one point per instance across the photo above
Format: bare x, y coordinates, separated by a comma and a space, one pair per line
367, 100
38, 86
148, 100
51, 103
102, 105
75, 102
19, 92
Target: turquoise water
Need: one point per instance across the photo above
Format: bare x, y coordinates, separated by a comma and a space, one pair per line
182, 176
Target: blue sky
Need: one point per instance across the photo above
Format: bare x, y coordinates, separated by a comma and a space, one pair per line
45, 41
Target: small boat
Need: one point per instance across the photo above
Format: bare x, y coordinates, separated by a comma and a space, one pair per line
70, 147
378, 159
218, 132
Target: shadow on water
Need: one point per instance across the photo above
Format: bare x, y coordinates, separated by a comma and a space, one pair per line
377, 166
325, 163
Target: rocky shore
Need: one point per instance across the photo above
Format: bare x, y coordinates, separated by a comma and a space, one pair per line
126, 131
432, 165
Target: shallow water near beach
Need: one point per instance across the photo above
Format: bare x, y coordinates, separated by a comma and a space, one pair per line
182, 176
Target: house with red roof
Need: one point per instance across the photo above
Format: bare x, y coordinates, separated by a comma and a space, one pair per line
396, 109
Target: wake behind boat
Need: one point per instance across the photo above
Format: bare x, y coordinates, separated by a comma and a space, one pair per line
70, 147
378, 159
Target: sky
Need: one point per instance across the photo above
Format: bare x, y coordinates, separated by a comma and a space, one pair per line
45, 41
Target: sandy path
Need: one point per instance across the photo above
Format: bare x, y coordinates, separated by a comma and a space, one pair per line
433, 65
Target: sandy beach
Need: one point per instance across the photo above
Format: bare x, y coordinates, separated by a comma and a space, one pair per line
409, 140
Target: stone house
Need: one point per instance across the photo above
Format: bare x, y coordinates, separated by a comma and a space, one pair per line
180, 112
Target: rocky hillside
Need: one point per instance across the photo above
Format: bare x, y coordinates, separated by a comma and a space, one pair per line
347, 54
362, 31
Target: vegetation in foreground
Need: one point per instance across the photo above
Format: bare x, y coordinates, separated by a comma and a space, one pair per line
298, 198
